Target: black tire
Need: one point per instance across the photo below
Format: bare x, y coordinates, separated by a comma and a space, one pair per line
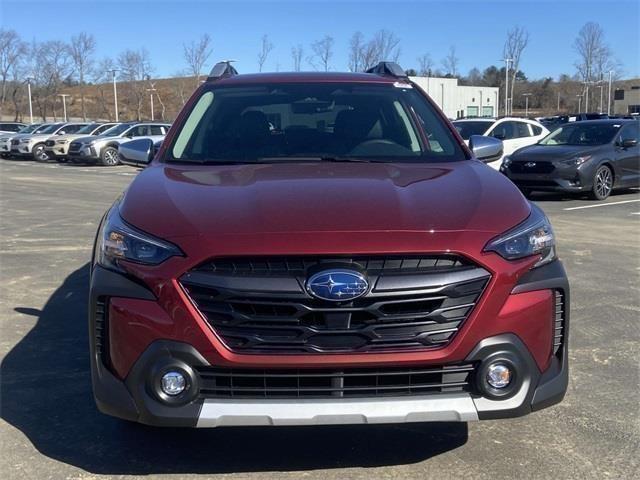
39, 153
602, 183
109, 157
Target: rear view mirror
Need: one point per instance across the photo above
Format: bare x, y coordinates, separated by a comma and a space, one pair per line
137, 153
486, 149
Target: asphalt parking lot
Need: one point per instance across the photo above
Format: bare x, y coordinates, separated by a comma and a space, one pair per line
50, 427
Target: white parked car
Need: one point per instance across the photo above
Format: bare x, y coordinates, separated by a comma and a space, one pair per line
514, 132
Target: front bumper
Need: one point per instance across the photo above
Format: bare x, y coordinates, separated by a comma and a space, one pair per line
57, 151
561, 179
84, 154
133, 397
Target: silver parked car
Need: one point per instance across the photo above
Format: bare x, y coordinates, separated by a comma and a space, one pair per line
103, 148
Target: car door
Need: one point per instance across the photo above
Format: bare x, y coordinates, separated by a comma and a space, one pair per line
628, 158
507, 131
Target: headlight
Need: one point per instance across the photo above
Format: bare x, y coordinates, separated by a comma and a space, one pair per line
532, 237
61, 142
506, 161
119, 241
25, 140
576, 161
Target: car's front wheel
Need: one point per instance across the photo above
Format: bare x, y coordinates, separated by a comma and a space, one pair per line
39, 153
602, 183
109, 157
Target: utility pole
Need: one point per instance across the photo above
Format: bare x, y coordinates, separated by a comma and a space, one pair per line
506, 85
609, 96
526, 104
558, 107
151, 90
64, 104
579, 102
29, 91
115, 91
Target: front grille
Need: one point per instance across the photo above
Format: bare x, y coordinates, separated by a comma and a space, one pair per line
362, 382
539, 167
261, 305
101, 327
15, 142
74, 146
558, 324
50, 143
534, 183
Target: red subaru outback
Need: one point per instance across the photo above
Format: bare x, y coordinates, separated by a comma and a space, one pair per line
322, 248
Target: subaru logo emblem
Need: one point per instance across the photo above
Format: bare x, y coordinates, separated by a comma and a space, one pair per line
530, 164
337, 285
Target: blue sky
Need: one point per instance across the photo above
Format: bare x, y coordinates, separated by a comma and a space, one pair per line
476, 28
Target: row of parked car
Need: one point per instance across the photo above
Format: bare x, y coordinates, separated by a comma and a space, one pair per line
74, 141
579, 155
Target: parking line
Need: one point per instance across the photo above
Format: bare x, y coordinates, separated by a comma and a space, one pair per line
601, 205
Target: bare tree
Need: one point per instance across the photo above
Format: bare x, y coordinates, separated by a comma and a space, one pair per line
425, 64
296, 56
595, 59
196, 55
265, 50
517, 40
12, 52
356, 50
82, 48
450, 62
54, 67
135, 67
387, 46
322, 53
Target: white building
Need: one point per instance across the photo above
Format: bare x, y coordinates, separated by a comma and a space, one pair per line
458, 101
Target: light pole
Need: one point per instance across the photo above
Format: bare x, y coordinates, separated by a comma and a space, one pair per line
506, 85
526, 104
609, 96
558, 107
480, 112
115, 91
151, 90
64, 104
29, 91
600, 87
579, 102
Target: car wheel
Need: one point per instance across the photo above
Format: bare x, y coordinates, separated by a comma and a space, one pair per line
602, 183
109, 157
39, 153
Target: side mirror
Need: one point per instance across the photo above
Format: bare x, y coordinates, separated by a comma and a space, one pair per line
61, 132
486, 149
137, 153
629, 142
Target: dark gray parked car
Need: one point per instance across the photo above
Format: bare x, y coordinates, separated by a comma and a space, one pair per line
594, 156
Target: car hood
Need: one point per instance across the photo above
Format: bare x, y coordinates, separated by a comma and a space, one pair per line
41, 136
550, 153
175, 200
69, 137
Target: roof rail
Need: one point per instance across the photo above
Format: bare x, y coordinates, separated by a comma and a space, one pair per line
391, 69
222, 69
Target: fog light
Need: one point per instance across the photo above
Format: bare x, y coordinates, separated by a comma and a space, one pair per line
173, 383
498, 375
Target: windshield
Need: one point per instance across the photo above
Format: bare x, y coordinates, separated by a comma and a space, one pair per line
581, 134
88, 129
50, 128
313, 121
466, 129
117, 130
30, 128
